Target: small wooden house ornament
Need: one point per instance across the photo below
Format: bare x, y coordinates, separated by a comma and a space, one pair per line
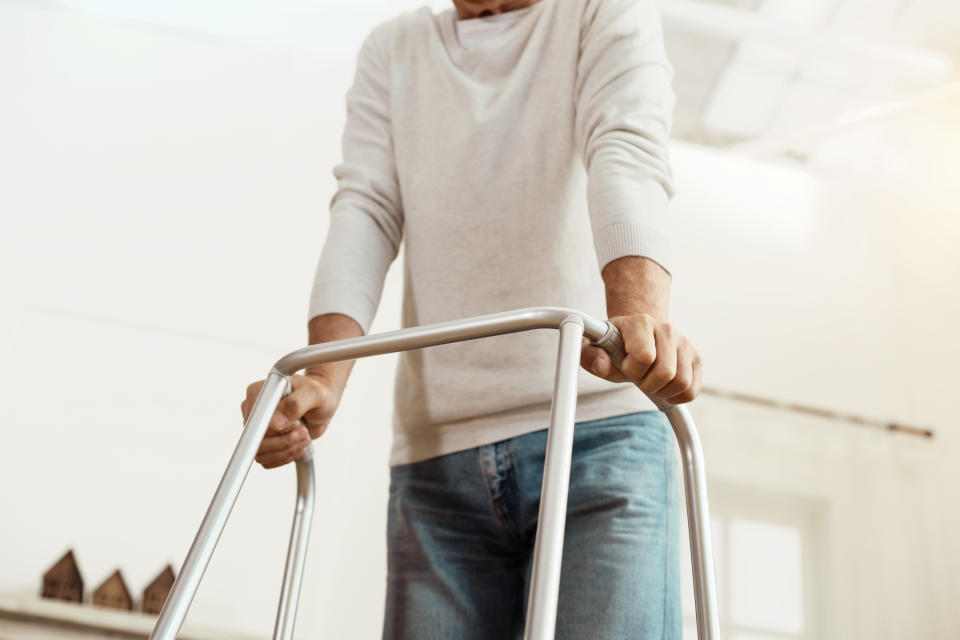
156, 592
63, 581
113, 592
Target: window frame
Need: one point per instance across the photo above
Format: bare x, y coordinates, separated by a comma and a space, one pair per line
808, 515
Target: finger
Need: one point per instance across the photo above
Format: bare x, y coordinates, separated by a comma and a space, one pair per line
323, 403
318, 429
282, 455
246, 406
294, 406
694, 390
683, 378
273, 460
292, 439
664, 367
598, 362
639, 343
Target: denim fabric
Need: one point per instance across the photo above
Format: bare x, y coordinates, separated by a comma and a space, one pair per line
461, 529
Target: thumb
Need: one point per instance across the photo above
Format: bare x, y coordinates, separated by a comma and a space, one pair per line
598, 362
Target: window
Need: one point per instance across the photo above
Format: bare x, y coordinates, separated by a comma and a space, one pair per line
767, 556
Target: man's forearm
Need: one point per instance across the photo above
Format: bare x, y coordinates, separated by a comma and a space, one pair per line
326, 328
637, 285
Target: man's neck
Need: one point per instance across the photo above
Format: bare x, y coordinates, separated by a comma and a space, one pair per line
467, 9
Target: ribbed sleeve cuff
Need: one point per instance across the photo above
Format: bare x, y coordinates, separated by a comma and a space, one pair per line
633, 239
629, 217
347, 298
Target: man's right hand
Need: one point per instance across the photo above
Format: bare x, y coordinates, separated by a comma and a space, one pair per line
300, 417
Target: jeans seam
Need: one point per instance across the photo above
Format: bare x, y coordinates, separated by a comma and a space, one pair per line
512, 487
498, 512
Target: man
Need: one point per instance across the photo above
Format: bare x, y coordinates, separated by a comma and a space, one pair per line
519, 149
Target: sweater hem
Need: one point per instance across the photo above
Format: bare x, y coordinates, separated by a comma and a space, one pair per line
442, 439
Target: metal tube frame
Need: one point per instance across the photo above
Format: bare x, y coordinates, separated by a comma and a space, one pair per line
548, 545
297, 549
542, 601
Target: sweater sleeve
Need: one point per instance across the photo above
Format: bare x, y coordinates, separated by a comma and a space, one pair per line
624, 105
366, 214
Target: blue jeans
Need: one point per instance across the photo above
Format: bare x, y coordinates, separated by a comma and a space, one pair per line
461, 529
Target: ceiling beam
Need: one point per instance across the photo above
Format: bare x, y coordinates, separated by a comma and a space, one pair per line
771, 145
737, 24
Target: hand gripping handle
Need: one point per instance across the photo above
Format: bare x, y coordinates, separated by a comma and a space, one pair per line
612, 343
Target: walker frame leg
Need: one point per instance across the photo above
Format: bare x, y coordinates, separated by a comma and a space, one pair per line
698, 522
551, 521
297, 550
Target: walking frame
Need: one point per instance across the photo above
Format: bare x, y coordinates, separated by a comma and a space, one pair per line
548, 547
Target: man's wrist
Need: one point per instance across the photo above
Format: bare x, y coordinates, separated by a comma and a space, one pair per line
327, 328
326, 376
635, 285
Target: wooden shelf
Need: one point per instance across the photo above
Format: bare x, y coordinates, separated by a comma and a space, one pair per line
33, 618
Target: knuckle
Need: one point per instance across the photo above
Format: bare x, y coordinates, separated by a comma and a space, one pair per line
304, 403
683, 379
295, 411
665, 372
644, 355
288, 408
632, 369
643, 319
301, 404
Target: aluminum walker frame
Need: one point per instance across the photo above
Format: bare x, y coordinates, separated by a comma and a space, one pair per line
548, 547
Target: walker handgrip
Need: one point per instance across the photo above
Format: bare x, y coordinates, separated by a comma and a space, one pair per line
612, 343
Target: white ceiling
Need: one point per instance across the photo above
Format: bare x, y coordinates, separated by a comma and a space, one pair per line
766, 77
817, 66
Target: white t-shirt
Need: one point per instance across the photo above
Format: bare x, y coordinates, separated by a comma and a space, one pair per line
473, 31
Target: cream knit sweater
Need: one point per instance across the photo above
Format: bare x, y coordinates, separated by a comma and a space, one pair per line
513, 171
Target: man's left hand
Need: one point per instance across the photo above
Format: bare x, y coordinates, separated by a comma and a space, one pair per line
660, 361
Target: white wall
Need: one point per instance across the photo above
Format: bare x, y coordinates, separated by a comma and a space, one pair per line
163, 201
827, 290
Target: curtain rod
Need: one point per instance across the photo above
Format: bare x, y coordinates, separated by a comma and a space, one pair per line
818, 412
